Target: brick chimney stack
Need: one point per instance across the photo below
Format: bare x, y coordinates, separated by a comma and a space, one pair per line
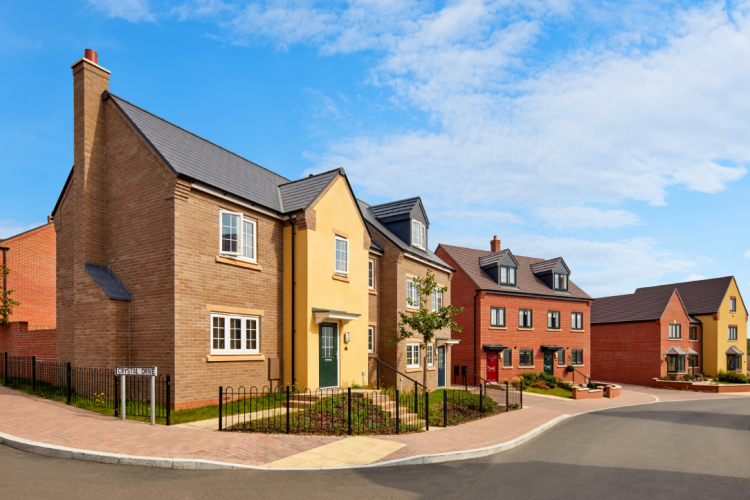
495, 245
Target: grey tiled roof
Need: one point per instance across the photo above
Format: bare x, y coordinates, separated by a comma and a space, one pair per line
492, 258
390, 209
298, 195
700, 297
375, 224
195, 157
545, 266
108, 282
648, 306
528, 283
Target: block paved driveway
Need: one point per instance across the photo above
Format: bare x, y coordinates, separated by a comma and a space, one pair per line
676, 450
54, 423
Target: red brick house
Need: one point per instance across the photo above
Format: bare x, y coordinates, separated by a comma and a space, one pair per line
31, 259
638, 337
521, 314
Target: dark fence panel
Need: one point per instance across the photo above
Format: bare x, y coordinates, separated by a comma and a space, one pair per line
87, 387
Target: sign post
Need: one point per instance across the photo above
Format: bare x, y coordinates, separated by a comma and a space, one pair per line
142, 371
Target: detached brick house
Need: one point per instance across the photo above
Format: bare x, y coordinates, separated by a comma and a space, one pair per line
174, 252
400, 231
31, 259
692, 327
521, 314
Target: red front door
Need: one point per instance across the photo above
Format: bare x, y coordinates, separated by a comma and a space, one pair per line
491, 366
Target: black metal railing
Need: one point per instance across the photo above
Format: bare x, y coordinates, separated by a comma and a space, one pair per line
358, 411
573, 370
88, 387
465, 371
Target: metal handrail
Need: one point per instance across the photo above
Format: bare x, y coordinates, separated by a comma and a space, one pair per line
466, 370
392, 368
572, 369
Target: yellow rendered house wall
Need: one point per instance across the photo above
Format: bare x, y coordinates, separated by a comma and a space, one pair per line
315, 288
716, 333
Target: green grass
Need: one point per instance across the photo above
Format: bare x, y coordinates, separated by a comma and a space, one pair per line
557, 391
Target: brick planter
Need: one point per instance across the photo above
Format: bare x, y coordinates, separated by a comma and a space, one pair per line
689, 386
585, 393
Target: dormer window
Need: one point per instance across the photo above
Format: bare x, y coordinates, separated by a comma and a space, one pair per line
418, 234
507, 275
561, 282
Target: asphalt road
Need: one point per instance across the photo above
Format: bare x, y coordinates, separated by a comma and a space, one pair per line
693, 450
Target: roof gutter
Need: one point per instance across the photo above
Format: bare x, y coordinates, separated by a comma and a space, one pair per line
219, 194
516, 294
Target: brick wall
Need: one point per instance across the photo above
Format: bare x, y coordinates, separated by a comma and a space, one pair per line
16, 339
31, 259
467, 353
633, 353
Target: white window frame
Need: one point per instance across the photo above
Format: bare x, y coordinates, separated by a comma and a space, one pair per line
335, 257
675, 331
729, 333
561, 282
412, 350
410, 284
244, 325
573, 323
370, 339
240, 253
732, 304
420, 234
371, 274
437, 300
508, 271
430, 354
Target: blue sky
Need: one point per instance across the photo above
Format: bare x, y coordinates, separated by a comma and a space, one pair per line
614, 134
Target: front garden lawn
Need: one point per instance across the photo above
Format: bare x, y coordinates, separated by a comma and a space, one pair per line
557, 391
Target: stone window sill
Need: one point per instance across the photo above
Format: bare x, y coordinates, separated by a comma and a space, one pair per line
578, 366
523, 367
372, 292
431, 368
339, 277
411, 309
526, 329
212, 358
507, 367
577, 331
412, 370
238, 263
498, 328
372, 355
693, 340
554, 329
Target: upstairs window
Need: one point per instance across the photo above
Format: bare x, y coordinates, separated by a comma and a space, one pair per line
418, 234
524, 318
693, 333
371, 275
576, 321
561, 282
507, 275
237, 237
437, 300
412, 294
732, 304
497, 316
732, 333
553, 320
675, 331
342, 255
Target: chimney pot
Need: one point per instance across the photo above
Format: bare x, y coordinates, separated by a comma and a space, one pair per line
92, 56
495, 244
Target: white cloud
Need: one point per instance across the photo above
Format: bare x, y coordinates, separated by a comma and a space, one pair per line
747, 254
10, 228
587, 217
695, 277
130, 10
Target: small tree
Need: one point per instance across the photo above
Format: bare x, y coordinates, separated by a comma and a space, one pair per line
426, 322
6, 303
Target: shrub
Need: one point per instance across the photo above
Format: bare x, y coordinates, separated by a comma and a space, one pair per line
540, 385
592, 385
565, 385
732, 377
687, 377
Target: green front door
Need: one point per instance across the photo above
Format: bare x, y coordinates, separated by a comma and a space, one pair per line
548, 357
329, 362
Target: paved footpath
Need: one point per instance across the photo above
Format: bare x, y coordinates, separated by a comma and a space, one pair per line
54, 429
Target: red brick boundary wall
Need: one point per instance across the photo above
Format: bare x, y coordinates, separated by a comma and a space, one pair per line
17, 340
668, 384
586, 393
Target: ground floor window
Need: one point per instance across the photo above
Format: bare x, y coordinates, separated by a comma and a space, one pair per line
675, 363
430, 354
561, 357
412, 355
693, 361
232, 334
576, 356
526, 357
371, 339
508, 358
734, 362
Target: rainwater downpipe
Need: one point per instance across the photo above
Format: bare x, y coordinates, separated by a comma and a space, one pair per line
294, 325
476, 295
5, 274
